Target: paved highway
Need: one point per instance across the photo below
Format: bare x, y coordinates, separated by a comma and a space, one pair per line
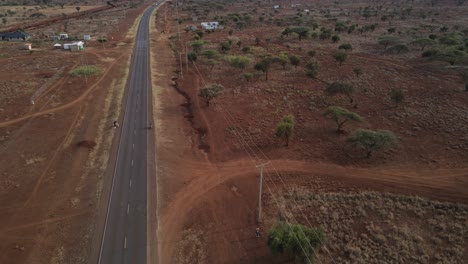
125, 231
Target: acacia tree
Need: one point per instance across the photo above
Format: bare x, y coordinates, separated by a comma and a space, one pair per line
397, 96
372, 140
285, 238
340, 88
210, 92
340, 57
78, 8
341, 116
424, 42
357, 71
388, 40
265, 64
285, 129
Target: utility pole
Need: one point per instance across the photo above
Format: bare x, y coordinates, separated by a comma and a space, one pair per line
259, 220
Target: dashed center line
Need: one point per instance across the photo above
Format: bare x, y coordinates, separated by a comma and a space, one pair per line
132, 163
128, 208
125, 242
130, 184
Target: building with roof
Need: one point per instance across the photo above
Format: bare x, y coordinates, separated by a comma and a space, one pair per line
14, 36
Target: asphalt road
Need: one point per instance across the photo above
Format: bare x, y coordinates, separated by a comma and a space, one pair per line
125, 231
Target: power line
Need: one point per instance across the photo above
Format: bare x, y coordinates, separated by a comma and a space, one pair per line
257, 158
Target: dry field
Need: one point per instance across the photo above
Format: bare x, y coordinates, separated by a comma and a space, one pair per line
11, 15
55, 152
362, 221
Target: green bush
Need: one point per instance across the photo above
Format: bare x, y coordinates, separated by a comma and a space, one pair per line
296, 240
85, 71
240, 62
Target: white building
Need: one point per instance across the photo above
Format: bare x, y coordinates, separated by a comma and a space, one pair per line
210, 25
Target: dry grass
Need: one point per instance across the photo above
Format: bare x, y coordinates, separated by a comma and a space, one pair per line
369, 227
17, 14
191, 248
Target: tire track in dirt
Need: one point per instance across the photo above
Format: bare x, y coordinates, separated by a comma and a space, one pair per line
67, 105
44, 222
446, 183
54, 156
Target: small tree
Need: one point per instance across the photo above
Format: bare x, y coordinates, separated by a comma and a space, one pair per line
300, 31
78, 8
312, 67
340, 88
265, 64
210, 92
335, 38
424, 42
294, 60
341, 116
285, 129
372, 140
357, 71
397, 96
388, 40
4, 21
296, 241
340, 57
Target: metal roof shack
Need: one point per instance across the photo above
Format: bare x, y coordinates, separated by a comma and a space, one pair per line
14, 36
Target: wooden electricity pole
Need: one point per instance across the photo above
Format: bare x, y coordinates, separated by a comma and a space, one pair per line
259, 219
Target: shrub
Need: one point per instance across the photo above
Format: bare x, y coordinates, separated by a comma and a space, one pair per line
335, 38
346, 47
240, 62
192, 56
397, 95
311, 53
210, 54
312, 67
295, 240
85, 71
294, 60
